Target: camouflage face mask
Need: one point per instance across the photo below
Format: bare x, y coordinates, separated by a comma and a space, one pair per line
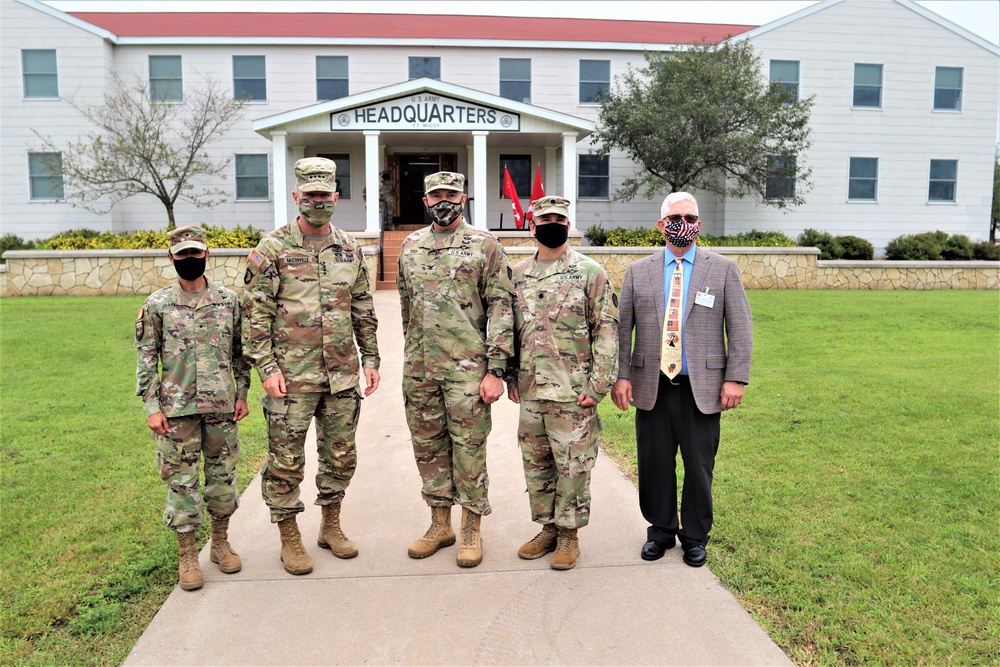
445, 212
316, 213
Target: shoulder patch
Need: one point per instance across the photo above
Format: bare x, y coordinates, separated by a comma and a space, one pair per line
248, 276
142, 311
256, 259
140, 326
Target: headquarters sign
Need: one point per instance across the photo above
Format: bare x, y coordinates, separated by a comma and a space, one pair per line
425, 112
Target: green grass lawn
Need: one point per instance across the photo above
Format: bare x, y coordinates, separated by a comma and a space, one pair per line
85, 560
856, 488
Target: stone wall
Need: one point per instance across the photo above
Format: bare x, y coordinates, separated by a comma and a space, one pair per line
94, 272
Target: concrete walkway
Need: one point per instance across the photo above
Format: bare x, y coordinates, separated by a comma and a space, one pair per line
385, 608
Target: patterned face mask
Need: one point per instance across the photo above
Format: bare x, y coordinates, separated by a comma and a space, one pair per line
316, 213
681, 233
445, 212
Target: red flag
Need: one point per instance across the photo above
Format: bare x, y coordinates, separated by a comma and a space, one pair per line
537, 192
511, 194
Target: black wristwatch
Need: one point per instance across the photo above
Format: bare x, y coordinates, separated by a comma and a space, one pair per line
495, 372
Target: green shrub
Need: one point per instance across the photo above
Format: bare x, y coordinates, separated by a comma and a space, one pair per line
13, 242
751, 239
87, 239
925, 246
597, 235
957, 247
855, 247
829, 246
986, 250
640, 238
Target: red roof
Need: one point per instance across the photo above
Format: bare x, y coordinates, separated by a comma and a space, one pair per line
403, 26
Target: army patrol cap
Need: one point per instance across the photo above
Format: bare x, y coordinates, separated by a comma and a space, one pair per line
190, 236
444, 180
316, 174
553, 204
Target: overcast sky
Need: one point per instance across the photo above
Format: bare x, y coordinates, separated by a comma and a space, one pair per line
981, 17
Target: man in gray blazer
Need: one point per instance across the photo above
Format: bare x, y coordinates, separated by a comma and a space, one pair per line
682, 410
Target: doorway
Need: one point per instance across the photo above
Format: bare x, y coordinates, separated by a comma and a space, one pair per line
413, 168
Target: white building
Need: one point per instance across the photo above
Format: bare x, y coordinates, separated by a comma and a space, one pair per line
904, 122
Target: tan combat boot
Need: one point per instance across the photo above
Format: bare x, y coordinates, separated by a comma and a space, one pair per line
332, 537
567, 550
221, 553
293, 553
540, 544
439, 535
470, 551
187, 562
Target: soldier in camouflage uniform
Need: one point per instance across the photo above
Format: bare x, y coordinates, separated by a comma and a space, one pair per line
565, 361
455, 291
191, 330
308, 298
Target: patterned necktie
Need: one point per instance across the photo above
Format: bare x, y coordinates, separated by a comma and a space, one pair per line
670, 345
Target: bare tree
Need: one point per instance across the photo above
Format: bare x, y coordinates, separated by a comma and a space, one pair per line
144, 145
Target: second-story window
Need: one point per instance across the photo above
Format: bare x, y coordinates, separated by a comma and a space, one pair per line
166, 83
249, 78
428, 67
515, 79
331, 78
41, 79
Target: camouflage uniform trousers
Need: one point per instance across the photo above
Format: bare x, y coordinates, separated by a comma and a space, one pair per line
214, 436
558, 448
449, 423
288, 421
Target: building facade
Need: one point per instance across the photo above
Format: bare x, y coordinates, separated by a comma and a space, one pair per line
903, 135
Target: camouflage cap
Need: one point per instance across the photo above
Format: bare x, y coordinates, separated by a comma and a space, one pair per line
444, 180
315, 174
189, 236
552, 204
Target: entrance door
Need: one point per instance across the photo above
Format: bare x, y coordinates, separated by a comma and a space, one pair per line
412, 171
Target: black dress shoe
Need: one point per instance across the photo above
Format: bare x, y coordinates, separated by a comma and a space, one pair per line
654, 549
694, 555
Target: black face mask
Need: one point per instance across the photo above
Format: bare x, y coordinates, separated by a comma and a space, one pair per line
190, 268
552, 234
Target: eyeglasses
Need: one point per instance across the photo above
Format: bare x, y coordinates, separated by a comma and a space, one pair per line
674, 219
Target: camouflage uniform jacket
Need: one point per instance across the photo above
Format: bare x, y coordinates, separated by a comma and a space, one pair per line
566, 322
199, 346
456, 301
302, 311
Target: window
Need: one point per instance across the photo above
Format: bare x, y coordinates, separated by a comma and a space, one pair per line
868, 86
166, 84
40, 77
343, 179
519, 168
785, 73
780, 177
515, 79
943, 180
595, 178
331, 77
948, 89
249, 78
45, 176
862, 183
595, 80
251, 176
429, 67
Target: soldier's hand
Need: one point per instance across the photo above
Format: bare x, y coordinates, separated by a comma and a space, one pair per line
585, 401
157, 423
371, 377
275, 386
621, 394
240, 410
490, 389
513, 394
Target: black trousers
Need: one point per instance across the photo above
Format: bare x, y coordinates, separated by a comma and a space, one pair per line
675, 421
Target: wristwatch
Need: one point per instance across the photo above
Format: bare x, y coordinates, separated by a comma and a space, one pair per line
495, 372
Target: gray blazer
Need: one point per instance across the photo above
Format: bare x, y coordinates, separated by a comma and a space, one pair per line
706, 330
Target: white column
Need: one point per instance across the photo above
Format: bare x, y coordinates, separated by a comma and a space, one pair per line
279, 151
371, 180
551, 172
569, 174
479, 188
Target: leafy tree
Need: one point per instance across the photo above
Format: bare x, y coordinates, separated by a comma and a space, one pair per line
704, 118
141, 145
